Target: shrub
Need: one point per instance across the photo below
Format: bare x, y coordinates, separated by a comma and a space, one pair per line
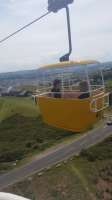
11, 156
90, 156
28, 145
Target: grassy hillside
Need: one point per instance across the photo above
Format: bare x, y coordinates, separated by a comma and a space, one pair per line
10, 106
22, 131
86, 177
109, 85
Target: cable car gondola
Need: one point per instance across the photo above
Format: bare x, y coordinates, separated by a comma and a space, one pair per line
71, 94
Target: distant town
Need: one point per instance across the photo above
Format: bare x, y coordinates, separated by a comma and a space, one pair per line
25, 83
19, 84
11, 91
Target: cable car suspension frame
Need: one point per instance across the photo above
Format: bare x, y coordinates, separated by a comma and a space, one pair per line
55, 6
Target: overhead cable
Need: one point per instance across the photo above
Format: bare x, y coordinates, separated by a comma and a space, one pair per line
24, 27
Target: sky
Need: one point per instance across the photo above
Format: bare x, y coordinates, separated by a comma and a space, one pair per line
44, 42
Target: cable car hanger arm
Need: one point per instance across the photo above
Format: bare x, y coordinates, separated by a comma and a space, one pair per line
66, 56
55, 6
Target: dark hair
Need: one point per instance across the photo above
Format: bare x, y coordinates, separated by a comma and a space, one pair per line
56, 82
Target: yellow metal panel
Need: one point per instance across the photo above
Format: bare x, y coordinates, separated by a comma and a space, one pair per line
70, 114
70, 63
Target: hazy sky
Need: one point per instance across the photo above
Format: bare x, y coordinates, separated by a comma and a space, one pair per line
46, 41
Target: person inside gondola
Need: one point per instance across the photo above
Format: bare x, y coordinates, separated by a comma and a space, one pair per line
84, 89
56, 90
110, 99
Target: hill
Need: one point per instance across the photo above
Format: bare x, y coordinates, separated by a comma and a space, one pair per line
22, 131
31, 77
10, 106
87, 176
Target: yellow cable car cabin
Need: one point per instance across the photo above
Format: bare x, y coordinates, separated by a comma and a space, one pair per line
71, 95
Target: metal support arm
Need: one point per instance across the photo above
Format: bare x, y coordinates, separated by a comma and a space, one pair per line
66, 56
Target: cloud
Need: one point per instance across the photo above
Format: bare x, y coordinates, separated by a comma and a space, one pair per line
46, 41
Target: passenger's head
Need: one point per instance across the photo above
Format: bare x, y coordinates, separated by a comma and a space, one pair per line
84, 87
57, 83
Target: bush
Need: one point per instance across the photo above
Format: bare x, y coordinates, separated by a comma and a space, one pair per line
28, 145
11, 156
90, 156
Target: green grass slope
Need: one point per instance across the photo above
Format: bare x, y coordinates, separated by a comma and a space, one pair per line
10, 106
22, 131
